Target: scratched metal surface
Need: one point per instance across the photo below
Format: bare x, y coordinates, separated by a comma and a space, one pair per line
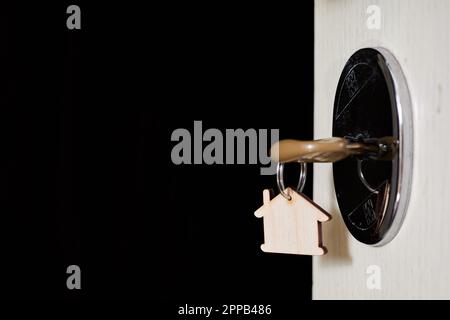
365, 107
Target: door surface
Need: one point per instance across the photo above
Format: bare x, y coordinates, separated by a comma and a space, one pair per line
415, 264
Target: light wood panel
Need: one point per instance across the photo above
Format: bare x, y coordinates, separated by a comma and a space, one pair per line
292, 226
415, 265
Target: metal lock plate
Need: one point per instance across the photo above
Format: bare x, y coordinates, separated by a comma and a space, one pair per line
372, 101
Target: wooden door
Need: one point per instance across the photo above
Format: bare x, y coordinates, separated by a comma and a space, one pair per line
416, 263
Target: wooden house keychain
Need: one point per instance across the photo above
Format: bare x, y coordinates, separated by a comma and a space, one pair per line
291, 219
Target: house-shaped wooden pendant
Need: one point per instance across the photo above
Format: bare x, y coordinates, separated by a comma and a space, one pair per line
292, 226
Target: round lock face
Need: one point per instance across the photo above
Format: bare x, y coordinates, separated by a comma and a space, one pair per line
372, 102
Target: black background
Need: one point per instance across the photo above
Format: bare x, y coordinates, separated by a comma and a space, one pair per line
86, 175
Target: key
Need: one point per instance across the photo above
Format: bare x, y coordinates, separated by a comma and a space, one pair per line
292, 221
334, 149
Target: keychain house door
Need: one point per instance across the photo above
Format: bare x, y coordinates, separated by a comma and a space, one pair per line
415, 264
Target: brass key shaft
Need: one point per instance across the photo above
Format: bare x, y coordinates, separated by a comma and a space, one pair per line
333, 149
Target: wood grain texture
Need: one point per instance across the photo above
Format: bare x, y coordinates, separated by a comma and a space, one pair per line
291, 226
415, 265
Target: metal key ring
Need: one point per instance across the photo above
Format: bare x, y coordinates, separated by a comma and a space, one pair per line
301, 180
362, 178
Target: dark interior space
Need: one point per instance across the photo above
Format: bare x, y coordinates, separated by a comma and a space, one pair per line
86, 173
